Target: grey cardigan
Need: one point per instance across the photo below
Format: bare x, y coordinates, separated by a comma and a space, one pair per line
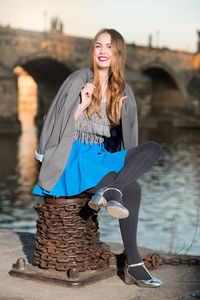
58, 130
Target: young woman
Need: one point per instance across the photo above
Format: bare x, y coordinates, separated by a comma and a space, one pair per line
89, 143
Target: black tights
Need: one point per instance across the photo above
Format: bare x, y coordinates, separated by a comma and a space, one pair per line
137, 161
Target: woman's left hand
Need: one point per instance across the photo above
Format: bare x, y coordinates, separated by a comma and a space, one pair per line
120, 104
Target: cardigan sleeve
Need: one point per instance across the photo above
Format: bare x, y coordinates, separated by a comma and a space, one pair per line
50, 117
129, 121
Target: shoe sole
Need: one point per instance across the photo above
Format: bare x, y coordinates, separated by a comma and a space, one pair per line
96, 205
117, 212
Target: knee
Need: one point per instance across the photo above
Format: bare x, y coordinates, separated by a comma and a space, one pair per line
155, 148
135, 188
132, 194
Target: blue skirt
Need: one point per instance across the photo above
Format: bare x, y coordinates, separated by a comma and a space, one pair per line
86, 166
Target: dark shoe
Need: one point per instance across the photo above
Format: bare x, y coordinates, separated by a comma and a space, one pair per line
129, 279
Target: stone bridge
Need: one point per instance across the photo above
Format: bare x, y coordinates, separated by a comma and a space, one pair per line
166, 83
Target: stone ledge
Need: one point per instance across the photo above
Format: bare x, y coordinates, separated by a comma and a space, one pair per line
178, 280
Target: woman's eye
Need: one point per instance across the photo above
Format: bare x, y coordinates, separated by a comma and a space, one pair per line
109, 46
97, 46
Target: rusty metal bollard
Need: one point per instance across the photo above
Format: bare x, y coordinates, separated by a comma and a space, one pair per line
67, 235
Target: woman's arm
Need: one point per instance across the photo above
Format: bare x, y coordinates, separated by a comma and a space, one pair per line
80, 109
50, 117
86, 97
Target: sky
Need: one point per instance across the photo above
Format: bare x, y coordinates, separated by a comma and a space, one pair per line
172, 23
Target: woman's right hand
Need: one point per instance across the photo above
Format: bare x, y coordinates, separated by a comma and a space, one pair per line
86, 97
86, 94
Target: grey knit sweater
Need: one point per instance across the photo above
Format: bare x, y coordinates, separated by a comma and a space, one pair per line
93, 130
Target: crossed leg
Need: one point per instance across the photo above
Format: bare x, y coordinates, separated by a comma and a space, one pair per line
137, 161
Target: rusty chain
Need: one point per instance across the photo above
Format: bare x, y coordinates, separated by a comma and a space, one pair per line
67, 236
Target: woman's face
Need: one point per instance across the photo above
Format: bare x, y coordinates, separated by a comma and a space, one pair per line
103, 51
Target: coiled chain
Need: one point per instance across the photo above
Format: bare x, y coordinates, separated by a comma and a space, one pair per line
67, 236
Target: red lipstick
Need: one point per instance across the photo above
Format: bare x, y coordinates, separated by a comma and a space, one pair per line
103, 58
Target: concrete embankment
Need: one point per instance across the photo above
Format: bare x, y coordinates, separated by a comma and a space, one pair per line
179, 281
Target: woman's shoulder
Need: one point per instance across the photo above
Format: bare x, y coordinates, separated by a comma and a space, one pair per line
128, 88
82, 74
77, 79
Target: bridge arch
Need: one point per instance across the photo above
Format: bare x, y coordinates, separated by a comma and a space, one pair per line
49, 74
168, 93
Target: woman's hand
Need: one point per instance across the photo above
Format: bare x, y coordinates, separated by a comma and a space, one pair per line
120, 105
86, 97
86, 94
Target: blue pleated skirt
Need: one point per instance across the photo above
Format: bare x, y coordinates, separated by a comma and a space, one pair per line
86, 166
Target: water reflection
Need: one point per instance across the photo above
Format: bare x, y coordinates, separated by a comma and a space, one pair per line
19, 168
27, 167
18, 178
170, 189
171, 193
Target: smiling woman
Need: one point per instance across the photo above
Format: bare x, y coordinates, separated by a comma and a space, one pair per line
102, 50
89, 143
109, 57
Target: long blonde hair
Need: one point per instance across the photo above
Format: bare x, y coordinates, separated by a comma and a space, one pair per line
116, 83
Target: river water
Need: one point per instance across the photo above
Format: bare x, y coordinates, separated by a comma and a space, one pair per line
169, 216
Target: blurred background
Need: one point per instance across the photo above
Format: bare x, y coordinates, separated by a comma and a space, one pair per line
42, 42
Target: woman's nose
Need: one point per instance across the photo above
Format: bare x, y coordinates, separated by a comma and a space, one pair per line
102, 50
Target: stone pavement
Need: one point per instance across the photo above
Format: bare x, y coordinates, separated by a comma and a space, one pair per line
180, 282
